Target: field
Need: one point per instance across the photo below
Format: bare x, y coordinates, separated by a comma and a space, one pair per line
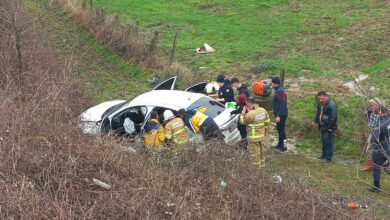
321, 44
307, 38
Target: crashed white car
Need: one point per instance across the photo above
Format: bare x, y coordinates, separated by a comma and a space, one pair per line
111, 116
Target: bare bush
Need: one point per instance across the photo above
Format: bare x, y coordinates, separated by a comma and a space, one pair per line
47, 164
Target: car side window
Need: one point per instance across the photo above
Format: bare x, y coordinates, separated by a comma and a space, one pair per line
131, 118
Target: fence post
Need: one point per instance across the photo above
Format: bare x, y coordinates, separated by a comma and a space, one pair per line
84, 4
116, 21
282, 75
173, 49
153, 44
91, 5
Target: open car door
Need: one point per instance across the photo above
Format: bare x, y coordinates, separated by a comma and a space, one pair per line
168, 84
197, 88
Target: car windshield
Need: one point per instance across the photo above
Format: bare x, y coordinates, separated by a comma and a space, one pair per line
114, 109
213, 108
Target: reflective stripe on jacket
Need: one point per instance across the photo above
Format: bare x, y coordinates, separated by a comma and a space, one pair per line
154, 134
198, 119
257, 120
175, 129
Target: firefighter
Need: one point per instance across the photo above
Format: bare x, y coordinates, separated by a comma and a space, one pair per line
256, 120
279, 106
225, 93
197, 120
174, 128
154, 132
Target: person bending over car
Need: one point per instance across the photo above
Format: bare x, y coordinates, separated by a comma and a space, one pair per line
154, 132
197, 120
174, 128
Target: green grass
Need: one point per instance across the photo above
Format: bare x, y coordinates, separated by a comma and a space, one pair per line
245, 31
269, 34
107, 76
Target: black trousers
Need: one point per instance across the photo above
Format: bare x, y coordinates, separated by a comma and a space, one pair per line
210, 130
242, 129
281, 127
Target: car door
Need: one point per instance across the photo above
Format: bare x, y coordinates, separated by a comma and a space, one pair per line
197, 88
167, 84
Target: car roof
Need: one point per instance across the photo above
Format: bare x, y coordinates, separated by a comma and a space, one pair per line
172, 99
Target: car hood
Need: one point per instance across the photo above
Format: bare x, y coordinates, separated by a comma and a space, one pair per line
95, 113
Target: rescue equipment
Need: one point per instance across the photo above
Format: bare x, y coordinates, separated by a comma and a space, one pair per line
262, 89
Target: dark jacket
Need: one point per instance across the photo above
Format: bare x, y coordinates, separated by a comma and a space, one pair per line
279, 102
226, 92
329, 115
380, 135
151, 125
244, 89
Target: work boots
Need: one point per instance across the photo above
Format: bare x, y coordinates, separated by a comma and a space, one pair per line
376, 187
369, 164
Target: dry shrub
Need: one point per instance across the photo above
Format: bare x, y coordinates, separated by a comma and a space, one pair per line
47, 164
127, 39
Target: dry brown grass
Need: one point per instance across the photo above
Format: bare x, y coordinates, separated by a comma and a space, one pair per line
47, 164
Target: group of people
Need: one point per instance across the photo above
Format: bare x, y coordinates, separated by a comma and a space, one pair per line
173, 128
254, 122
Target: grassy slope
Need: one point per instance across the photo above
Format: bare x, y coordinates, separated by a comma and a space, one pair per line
107, 73
287, 34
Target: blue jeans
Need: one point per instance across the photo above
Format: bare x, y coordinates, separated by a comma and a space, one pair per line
379, 157
327, 139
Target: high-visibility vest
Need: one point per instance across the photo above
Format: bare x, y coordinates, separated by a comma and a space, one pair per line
175, 130
198, 119
256, 120
155, 136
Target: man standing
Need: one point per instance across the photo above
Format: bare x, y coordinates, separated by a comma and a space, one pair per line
154, 132
242, 88
225, 93
373, 119
256, 120
326, 119
279, 105
174, 128
381, 147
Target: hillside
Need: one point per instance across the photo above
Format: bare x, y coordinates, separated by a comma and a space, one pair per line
48, 166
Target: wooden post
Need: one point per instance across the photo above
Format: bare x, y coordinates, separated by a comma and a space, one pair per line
116, 21
91, 5
282, 75
153, 44
196, 70
173, 49
84, 4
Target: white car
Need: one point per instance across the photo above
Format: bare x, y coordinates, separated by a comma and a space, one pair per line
110, 116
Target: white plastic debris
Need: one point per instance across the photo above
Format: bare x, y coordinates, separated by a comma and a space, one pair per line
1, 139
277, 178
101, 184
205, 49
